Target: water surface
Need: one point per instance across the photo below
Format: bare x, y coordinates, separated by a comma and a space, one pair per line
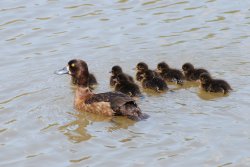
187, 127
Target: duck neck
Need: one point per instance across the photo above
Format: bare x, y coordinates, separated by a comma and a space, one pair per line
81, 95
81, 77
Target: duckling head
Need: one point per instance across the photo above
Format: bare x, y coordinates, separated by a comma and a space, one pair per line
205, 78
162, 66
78, 69
116, 70
148, 75
141, 67
187, 67
122, 78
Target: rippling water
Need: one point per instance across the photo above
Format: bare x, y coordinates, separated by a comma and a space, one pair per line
187, 127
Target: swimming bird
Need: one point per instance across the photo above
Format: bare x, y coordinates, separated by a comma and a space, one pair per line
109, 103
170, 74
150, 81
141, 69
191, 73
125, 86
214, 85
115, 71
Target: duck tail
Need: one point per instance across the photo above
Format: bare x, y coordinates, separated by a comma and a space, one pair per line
139, 117
132, 111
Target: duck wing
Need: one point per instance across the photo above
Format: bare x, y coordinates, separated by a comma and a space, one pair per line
120, 103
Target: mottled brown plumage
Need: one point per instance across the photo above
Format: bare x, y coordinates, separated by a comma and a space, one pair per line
125, 86
191, 73
214, 85
109, 103
115, 71
141, 69
170, 74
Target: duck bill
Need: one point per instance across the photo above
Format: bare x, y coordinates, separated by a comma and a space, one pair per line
62, 71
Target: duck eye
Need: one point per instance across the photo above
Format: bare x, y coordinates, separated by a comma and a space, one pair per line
72, 65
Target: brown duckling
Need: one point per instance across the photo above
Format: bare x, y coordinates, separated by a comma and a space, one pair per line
125, 86
150, 81
115, 71
191, 73
141, 69
169, 74
214, 85
109, 103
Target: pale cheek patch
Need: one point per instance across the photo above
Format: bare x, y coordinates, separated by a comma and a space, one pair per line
68, 70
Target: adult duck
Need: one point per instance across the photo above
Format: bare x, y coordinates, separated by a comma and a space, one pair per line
108, 104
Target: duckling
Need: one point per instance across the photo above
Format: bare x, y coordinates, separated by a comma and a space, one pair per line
115, 71
191, 73
169, 74
109, 103
150, 81
125, 86
92, 79
214, 85
141, 69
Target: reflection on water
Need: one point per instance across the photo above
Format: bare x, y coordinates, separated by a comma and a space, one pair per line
76, 130
187, 126
210, 95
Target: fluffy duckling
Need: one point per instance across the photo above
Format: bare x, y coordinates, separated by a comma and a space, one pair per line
109, 103
150, 81
125, 86
92, 79
169, 74
115, 71
191, 73
141, 69
214, 85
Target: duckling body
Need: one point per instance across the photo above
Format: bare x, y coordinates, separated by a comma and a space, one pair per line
141, 69
214, 85
115, 71
150, 81
191, 73
109, 103
125, 86
169, 74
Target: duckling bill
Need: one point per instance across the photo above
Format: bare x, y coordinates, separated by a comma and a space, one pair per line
214, 85
109, 103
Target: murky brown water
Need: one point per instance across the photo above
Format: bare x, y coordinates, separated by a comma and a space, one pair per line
187, 127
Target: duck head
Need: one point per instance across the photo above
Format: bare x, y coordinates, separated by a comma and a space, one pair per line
78, 69
141, 67
187, 67
162, 66
205, 78
116, 70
